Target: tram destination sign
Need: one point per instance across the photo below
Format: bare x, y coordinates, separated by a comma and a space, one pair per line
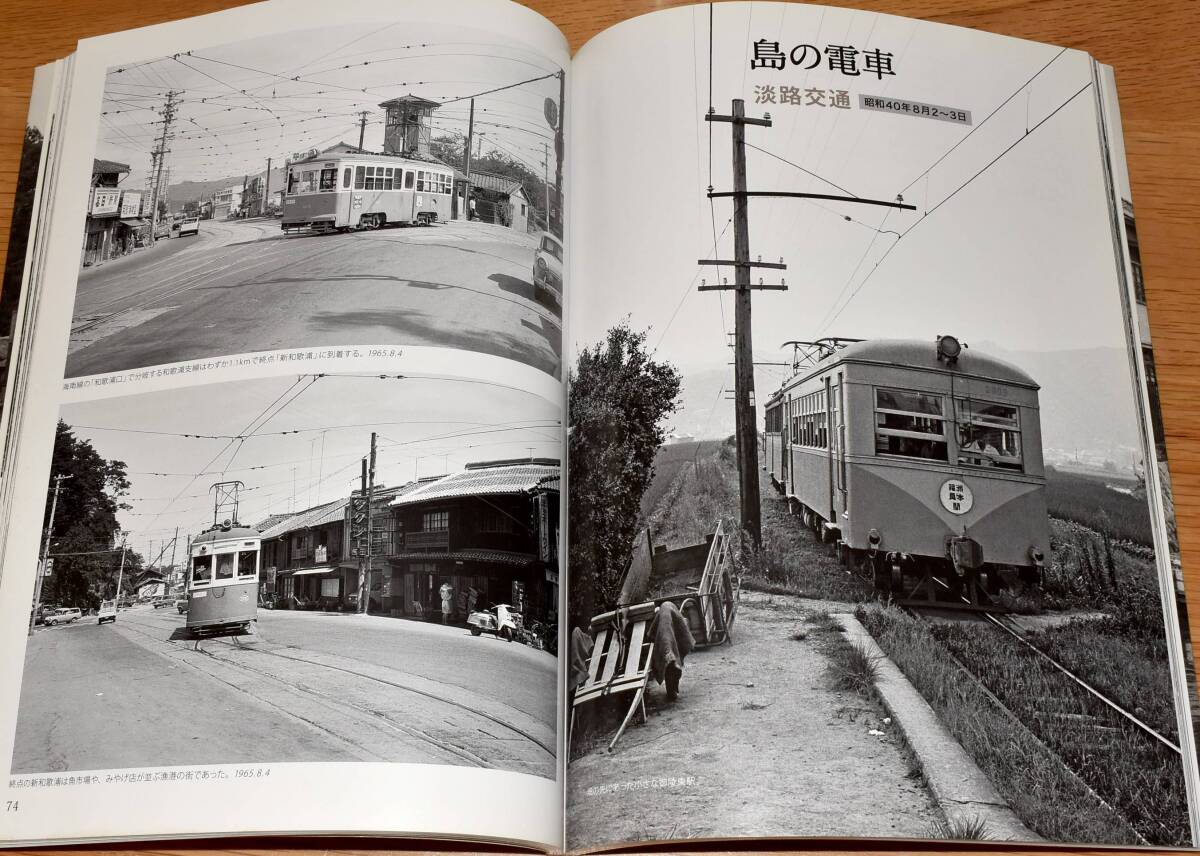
919, 109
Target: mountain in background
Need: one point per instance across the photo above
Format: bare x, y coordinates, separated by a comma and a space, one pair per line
194, 191
1085, 401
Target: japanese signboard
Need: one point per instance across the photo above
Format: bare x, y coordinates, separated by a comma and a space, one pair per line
359, 511
105, 200
321, 554
131, 204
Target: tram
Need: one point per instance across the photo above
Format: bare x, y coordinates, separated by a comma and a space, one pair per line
342, 191
222, 584
922, 460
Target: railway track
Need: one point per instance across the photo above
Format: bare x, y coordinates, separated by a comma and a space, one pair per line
239, 663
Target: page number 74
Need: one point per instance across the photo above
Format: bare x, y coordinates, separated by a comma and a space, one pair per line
11, 806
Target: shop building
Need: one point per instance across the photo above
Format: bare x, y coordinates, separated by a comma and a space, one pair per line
473, 539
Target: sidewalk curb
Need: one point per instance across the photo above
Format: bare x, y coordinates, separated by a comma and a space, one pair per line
958, 785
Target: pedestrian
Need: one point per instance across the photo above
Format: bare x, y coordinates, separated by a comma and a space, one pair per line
447, 593
471, 215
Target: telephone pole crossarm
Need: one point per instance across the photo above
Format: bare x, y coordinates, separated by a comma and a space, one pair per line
737, 120
770, 286
831, 197
733, 263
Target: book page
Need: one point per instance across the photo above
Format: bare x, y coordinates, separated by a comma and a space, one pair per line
282, 549
886, 553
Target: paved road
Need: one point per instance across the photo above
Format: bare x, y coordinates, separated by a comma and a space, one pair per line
310, 687
243, 286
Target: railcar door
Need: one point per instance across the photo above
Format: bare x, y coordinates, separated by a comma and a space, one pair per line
830, 434
837, 410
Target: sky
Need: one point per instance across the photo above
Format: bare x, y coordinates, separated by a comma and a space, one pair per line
246, 101
305, 440
1009, 244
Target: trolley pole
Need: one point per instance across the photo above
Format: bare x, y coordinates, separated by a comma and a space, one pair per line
41, 569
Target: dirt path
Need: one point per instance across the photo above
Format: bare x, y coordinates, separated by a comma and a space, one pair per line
756, 745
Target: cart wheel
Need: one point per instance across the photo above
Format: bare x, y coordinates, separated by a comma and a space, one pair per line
506, 635
475, 631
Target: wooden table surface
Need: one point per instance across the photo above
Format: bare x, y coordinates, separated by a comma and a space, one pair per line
1151, 43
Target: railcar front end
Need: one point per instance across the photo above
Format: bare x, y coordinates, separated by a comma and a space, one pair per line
923, 462
222, 588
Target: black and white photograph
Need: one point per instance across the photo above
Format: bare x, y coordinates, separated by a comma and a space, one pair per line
879, 557
306, 568
385, 183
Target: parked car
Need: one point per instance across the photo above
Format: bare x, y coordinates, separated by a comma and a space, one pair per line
63, 615
548, 269
160, 602
186, 226
501, 620
181, 605
107, 612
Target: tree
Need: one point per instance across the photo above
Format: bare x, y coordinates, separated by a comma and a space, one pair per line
618, 399
85, 523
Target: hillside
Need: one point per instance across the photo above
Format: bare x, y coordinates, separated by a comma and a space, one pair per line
193, 191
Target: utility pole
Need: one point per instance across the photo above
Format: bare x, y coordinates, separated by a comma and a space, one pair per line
41, 570
362, 128
546, 180
467, 157
159, 157
121, 571
262, 210
744, 404
365, 602
171, 575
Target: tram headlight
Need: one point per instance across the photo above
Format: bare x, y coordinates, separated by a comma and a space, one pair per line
948, 349
874, 538
1036, 556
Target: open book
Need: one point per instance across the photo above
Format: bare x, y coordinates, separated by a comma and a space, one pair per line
746, 428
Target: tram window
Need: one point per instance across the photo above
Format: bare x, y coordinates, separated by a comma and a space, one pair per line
989, 434
909, 424
346, 178
224, 566
201, 570
359, 173
329, 179
308, 181
387, 179
247, 563
292, 179
408, 179
369, 181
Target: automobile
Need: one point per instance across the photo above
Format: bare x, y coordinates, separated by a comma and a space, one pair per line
160, 602
186, 226
63, 615
107, 612
181, 605
501, 620
547, 268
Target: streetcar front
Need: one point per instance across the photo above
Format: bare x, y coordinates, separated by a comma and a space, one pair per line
222, 588
311, 199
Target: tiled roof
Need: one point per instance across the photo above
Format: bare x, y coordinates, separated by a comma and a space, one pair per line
319, 515
553, 482
499, 183
101, 166
482, 481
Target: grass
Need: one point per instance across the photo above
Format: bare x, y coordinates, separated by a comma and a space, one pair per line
1088, 500
961, 828
853, 668
1133, 772
1047, 798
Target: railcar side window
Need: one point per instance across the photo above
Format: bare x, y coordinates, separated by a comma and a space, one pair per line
224, 566
359, 176
247, 564
408, 179
201, 570
910, 424
346, 178
989, 434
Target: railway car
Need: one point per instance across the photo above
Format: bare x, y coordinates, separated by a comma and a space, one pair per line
343, 191
922, 460
222, 588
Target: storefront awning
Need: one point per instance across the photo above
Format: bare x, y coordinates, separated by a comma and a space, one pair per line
324, 569
135, 224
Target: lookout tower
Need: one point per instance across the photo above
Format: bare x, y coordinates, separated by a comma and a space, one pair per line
407, 125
